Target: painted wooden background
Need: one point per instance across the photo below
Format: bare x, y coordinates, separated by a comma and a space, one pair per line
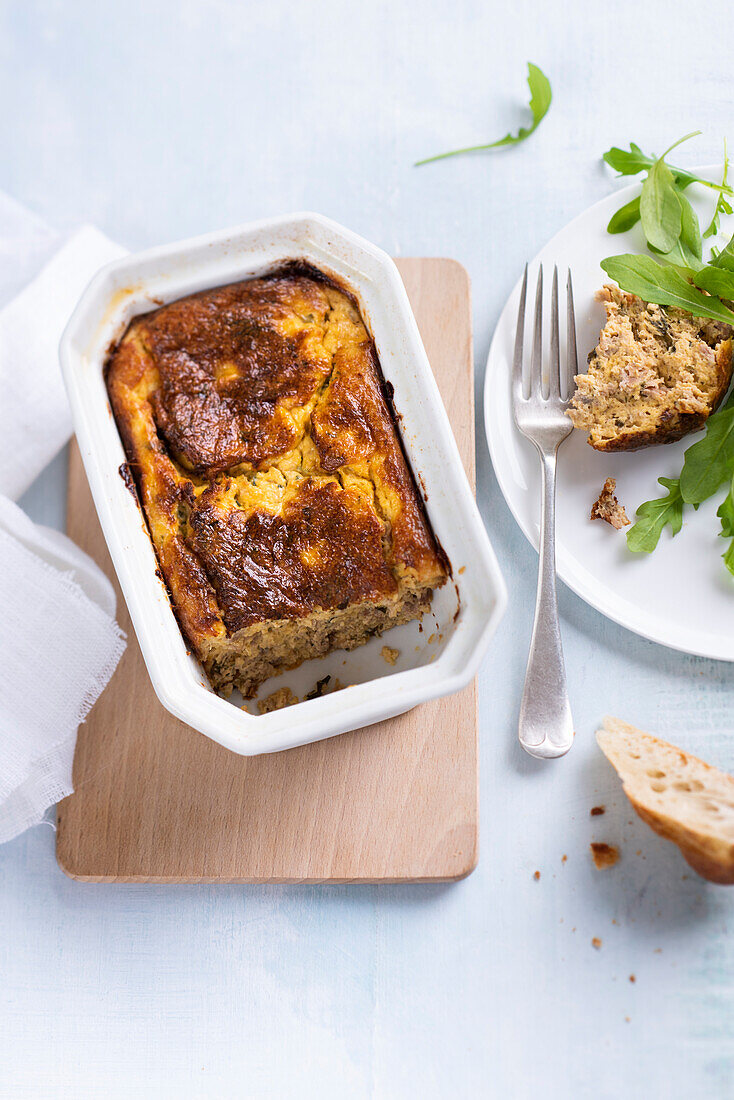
158, 120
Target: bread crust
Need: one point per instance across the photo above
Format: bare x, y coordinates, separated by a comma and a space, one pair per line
708, 845
716, 865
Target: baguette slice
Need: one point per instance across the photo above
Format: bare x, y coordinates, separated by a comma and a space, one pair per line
677, 795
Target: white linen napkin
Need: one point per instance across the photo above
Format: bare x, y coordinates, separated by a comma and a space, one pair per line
59, 642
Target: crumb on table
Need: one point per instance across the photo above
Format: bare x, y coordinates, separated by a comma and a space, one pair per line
596, 942
389, 654
536, 875
604, 855
596, 811
283, 697
608, 508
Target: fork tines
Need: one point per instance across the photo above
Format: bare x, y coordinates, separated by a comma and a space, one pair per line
557, 385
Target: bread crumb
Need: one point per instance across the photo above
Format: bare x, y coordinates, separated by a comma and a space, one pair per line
597, 811
389, 654
564, 859
626, 1019
633, 978
462, 570
596, 942
536, 876
608, 508
604, 855
283, 697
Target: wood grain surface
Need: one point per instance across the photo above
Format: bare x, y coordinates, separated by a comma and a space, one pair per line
155, 801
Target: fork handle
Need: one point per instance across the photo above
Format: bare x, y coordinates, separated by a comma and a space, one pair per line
546, 726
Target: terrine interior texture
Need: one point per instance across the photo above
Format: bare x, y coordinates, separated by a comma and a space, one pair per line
268, 462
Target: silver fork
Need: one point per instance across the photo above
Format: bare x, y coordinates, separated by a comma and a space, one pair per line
546, 726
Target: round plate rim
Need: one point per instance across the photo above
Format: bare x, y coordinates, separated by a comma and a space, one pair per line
602, 601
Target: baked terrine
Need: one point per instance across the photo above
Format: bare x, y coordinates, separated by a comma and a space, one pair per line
656, 374
266, 454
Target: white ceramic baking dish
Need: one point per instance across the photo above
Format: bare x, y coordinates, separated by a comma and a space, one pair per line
437, 660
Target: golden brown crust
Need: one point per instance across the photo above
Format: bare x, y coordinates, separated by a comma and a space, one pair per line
266, 456
709, 865
322, 549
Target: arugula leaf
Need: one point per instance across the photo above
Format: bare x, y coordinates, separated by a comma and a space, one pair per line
724, 258
728, 557
716, 280
660, 204
627, 164
540, 101
634, 162
660, 208
687, 252
710, 462
627, 216
643, 537
722, 206
665, 286
725, 512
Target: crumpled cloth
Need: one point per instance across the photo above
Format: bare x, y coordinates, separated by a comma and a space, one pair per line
59, 642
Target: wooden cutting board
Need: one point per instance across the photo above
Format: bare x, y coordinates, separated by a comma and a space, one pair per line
155, 801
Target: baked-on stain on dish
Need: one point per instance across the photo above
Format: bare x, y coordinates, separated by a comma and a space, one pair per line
281, 505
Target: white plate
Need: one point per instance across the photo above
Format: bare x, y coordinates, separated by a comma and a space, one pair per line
681, 595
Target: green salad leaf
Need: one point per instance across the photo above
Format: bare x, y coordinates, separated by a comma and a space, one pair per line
635, 161
718, 281
725, 512
707, 465
540, 101
666, 286
724, 258
628, 163
687, 252
624, 218
722, 205
710, 462
654, 515
676, 275
660, 207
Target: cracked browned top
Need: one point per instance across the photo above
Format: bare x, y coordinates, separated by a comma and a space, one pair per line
266, 456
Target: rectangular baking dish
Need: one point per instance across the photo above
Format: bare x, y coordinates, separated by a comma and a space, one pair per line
436, 660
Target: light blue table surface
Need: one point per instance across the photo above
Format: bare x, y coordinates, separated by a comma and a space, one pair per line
159, 120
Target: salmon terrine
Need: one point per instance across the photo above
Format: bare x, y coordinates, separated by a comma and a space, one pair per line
656, 374
261, 437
